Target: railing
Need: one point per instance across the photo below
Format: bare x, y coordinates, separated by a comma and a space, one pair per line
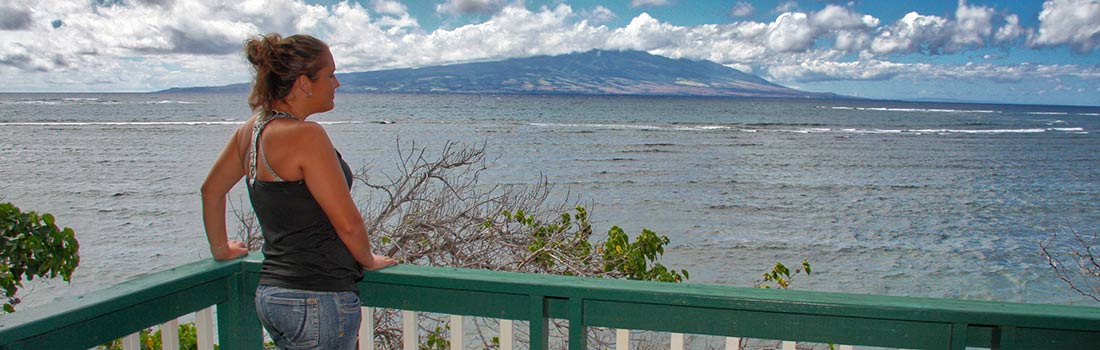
882, 321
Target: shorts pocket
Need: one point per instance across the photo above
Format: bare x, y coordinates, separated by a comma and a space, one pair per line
295, 320
348, 302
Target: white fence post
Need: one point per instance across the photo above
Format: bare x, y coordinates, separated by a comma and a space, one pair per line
204, 328
677, 341
622, 339
505, 334
366, 329
790, 345
457, 332
170, 335
733, 343
132, 342
408, 330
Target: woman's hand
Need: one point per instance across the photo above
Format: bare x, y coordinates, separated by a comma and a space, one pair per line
379, 262
231, 250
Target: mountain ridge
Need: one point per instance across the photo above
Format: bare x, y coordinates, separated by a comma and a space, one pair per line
594, 72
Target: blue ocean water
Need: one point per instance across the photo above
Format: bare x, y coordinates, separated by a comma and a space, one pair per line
883, 197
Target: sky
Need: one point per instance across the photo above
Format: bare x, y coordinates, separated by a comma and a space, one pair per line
1008, 51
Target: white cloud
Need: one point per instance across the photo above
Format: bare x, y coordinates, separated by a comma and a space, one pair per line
156, 44
851, 29
1010, 30
389, 7
787, 6
742, 9
644, 33
834, 17
599, 14
851, 41
821, 70
470, 6
971, 28
1069, 22
972, 25
911, 33
790, 32
640, 3
825, 70
14, 18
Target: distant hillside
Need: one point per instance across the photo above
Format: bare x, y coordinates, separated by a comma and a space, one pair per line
593, 72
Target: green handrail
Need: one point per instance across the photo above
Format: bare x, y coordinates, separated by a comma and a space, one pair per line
916, 323
85, 321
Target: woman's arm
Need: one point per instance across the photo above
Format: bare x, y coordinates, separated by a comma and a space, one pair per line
325, 178
225, 173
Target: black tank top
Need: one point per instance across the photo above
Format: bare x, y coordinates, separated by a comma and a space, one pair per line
301, 248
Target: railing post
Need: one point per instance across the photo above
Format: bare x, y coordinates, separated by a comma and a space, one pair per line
204, 328
958, 336
238, 325
676, 341
409, 337
538, 325
506, 332
733, 343
1004, 338
366, 329
132, 341
458, 334
578, 337
170, 335
622, 339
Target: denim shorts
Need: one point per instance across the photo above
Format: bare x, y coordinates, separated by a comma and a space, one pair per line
305, 319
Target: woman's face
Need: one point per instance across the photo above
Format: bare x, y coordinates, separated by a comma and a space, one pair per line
324, 87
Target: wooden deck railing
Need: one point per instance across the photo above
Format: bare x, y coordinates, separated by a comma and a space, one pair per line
82, 322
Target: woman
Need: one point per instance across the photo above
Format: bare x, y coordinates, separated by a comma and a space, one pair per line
315, 242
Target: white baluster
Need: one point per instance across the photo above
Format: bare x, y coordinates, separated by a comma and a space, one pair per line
408, 329
622, 339
204, 328
366, 329
677, 341
733, 343
132, 342
170, 335
505, 334
456, 332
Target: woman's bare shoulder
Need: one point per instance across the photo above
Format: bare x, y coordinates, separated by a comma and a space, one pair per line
307, 131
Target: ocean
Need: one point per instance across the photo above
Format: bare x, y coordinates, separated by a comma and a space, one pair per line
881, 197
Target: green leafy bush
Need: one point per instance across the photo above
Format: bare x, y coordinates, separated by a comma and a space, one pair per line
566, 242
31, 245
150, 340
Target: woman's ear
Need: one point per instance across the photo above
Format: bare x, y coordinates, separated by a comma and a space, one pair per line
304, 85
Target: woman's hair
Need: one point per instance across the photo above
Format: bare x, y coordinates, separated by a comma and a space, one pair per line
278, 62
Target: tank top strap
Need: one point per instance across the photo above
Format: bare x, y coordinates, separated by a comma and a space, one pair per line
255, 149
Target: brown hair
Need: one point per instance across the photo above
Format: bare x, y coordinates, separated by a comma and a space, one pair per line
278, 62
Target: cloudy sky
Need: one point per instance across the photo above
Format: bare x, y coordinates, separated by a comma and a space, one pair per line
1017, 51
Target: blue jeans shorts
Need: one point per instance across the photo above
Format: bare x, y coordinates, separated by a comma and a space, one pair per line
305, 319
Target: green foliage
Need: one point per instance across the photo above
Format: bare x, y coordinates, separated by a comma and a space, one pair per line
566, 242
554, 239
31, 245
150, 340
638, 260
437, 340
781, 275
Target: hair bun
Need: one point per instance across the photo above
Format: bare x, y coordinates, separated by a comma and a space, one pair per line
260, 50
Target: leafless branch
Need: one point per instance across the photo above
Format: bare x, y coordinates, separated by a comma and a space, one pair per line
1082, 274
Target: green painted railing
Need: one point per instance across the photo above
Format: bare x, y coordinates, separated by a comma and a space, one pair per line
884, 321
